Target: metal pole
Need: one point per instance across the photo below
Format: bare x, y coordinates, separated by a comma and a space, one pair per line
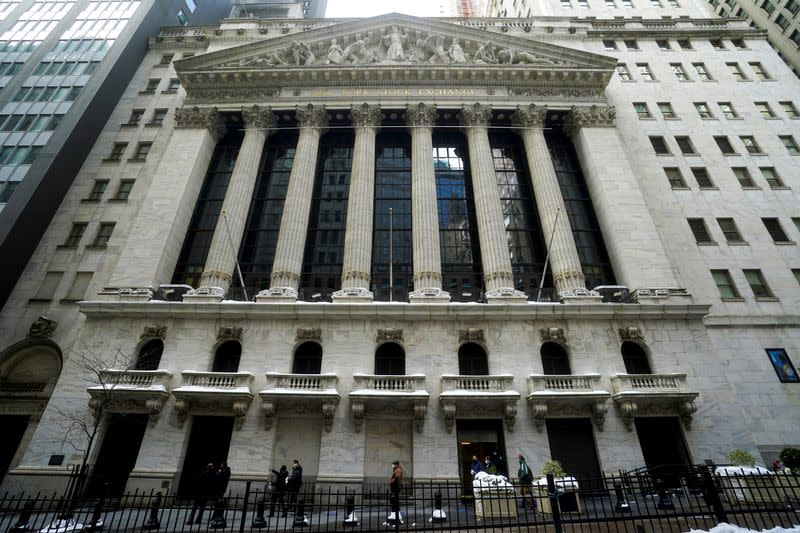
547, 255
391, 267
236, 259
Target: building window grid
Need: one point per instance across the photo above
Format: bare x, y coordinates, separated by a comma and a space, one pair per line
790, 109
728, 111
104, 231
702, 72
666, 110
743, 177
757, 283
645, 72
675, 178
642, 111
724, 144
700, 231
759, 71
775, 230
623, 73
98, 188
736, 71
124, 190
659, 145
679, 71
724, 282
750, 144
729, 230
765, 110
703, 110
685, 145
75, 234
703, 179
790, 144
772, 177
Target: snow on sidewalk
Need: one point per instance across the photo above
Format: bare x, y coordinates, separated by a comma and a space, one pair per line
728, 528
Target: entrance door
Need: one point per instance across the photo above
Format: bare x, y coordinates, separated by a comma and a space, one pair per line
572, 445
663, 447
481, 438
118, 454
208, 443
14, 427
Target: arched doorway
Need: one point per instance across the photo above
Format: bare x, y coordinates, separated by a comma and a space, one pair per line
472, 360
390, 360
307, 359
635, 358
555, 361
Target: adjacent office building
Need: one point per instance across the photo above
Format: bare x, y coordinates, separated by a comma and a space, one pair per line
356, 241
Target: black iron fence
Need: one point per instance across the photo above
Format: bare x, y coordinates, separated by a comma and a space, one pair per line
629, 503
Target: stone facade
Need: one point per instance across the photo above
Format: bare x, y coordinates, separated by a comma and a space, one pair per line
347, 422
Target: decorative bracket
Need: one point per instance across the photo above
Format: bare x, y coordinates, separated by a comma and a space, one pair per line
328, 412
630, 334
471, 334
510, 414
229, 333
182, 411
158, 332
358, 415
628, 410
269, 408
42, 327
419, 415
154, 406
308, 334
552, 335
687, 409
599, 410
389, 335
240, 412
449, 410
539, 414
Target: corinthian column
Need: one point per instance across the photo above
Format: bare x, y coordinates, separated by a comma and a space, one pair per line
424, 213
357, 260
288, 263
497, 275
565, 263
150, 255
221, 260
621, 205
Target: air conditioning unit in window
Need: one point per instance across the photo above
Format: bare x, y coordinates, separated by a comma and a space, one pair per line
171, 292
613, 293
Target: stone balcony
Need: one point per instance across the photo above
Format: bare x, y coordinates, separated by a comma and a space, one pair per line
567, 395
479, 395
214, 393
130, 391
389, 395
300, 392
653, 395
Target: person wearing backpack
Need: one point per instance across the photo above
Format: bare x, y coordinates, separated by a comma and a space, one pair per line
525, 479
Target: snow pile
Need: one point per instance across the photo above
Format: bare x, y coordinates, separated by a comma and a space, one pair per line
743, 471
562, 483
489, 483
728, 528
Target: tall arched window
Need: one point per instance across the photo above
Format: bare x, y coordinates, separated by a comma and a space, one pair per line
390, 360
227, 357
150, 355
555, 360
635, 358
307, 359
472, 360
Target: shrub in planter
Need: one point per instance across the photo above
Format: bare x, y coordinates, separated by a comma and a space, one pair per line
553, 467
790, 457
741, 458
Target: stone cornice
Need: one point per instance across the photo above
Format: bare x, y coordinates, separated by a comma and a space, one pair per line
389, 311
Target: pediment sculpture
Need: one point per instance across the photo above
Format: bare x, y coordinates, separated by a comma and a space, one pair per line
394, 46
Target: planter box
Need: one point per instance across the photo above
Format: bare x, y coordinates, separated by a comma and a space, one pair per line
754, 489
568, 502
495, 504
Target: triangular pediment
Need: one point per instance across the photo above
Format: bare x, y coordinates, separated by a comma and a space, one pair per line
395, 48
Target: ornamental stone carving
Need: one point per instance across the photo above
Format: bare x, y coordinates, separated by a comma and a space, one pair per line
510, 414
312, 116
365, 116
476, 115
556, 92
383, 335
419, 415
198, 118
421, 115
308, 334
589, 117
628, 411
471, 335
552, 335
449, 412
630, 334
599, 411
229, 333
687, 409
539, 411
531, 116
259, 118
328, 413
42, 327
358, 415
154, 332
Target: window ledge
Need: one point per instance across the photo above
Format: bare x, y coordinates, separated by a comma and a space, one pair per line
672, 118
147, 92
160, 65
754, 188
734, 118
39, 300
784, 243
169, 92
111, 159
768, 79
96, 246
153, 124
89, 201
707, 243
69, 300
117, 200
773, 118
738, 243
137, 159
732, 299
766, 299
129, 125
709, 118
709, 188
65, 247
681, 188
651, 119
781, 188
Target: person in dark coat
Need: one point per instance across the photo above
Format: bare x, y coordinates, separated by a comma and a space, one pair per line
476, 466
293, 483
279, 490
205, 488
395, 484
223, 476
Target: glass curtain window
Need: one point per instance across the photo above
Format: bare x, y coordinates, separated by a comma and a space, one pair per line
582, 218
392, 190
322, 264
257, 251
523, 231
193, 255
458, 230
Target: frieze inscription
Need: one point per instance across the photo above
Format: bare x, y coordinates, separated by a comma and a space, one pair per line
384, 92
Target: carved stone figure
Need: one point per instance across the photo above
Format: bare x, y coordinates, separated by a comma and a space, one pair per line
396, 43
357, 53
302, 54
512, 56
485, 53
334, 53
275, 59
434, 45
456, 52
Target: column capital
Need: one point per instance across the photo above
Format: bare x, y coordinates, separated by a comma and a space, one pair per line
365, 116
261, 118
312, 116
475, 115
198, 118
530, 116
589, 117
421, 115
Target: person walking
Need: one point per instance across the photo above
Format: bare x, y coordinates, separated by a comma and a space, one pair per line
204, 489
293, 483
223, 476
395, 484
279, 491
490, 467
525, 479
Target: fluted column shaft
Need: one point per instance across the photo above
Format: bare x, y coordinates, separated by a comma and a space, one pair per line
221, 261
564, 260
357, 259
497, 275
288, 263
424, 210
